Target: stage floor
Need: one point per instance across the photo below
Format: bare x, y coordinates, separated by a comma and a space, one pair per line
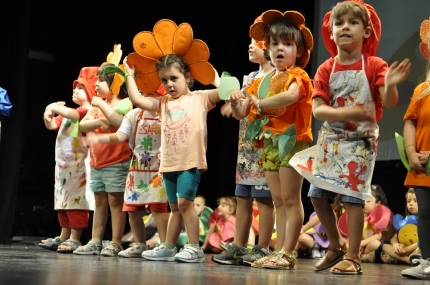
29, 264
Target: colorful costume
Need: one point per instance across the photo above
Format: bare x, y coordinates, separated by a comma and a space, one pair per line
224, 229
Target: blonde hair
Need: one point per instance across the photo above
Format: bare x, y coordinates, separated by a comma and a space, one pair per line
230, 201
426, 91
349, 7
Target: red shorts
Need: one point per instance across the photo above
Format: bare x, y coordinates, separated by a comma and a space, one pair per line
74, 219
163, 208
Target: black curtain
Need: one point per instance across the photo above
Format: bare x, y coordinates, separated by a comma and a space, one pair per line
14, 50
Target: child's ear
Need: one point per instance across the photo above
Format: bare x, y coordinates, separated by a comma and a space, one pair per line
187, 77
367, 32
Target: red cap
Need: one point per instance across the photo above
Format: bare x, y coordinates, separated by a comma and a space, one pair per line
88, 78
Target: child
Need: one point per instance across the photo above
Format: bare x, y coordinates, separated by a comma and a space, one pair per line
199, 204
144, 184
395, 251
349, 91
417, 145
71, 200
222, 227
109, 164
250, 181
183, 118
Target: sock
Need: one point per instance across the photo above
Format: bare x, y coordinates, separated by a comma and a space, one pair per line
194, 245
168, 245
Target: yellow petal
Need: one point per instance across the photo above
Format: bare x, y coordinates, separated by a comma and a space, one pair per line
203, 72
163, 33
424, 30
148, 82
182, 39
425, 51
198, 51
140, 63
145, 44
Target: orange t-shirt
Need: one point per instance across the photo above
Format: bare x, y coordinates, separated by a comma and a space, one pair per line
418, 111
299, 113
103, 155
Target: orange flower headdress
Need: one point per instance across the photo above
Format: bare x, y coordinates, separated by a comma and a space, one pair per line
424, 35
119, 77
168, 38
257, 30
371, 44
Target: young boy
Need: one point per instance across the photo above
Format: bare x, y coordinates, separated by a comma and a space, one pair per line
71, 199
350, 89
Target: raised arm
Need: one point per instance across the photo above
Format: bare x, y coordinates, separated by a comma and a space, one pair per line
113, 117
396, 74
89, 124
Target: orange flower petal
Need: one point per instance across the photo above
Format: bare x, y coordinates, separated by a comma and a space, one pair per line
115, 88
145, 44
203, 72
257, 31
182, 39
148, 82
424, 30
271, 15
425, 51
163, 32
141, 64
294, 17
198, 51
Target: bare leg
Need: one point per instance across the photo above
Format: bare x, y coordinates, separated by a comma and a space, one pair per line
100, 216
388, 249
174, 225
191, 220
305, 243
161, 220
272, 178
355, 228
65, 233
137, 226
116, 200
266, 222
244, 220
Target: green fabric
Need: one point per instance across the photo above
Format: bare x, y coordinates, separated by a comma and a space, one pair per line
168, 245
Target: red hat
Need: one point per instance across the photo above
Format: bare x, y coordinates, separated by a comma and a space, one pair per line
371, 44
88, 77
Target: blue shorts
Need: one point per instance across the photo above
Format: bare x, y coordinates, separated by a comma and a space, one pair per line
254, 191
315, 192
181, 184
110, 178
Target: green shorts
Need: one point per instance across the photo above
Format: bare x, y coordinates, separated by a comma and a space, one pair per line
110, 178
270, 156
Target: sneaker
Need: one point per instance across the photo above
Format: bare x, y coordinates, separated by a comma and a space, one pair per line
421, 271
414, 259
231, 255
257, 252
190, 254
134, 251
89, 249
161, 253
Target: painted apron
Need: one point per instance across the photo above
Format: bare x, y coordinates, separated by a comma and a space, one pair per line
343, 159
144, 184
72, 166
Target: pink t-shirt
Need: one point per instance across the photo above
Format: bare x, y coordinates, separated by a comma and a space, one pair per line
184, 131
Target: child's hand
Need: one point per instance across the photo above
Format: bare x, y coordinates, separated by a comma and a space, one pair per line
356, 114
48, 115
415, 162
424, 156
59, 103
234, 96
128, 69
397, 73
226, 110
398, 248
96, 101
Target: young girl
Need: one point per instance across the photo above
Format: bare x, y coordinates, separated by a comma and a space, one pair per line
222, 225
71, 199
250, 181
109, 165
417, 145
349, 91
184, 131
288, 102
144, 184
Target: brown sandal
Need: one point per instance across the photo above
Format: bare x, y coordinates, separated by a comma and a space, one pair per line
327, 262
347, 266
261, 261
283, 260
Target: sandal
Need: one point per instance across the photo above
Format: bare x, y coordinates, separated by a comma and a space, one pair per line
112, 250
368, 257
71, 244
283, 260
51, 243
261, 261
327, 262
389, 259
347, 266
90, 248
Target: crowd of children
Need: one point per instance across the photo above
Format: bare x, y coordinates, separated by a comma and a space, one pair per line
152, 157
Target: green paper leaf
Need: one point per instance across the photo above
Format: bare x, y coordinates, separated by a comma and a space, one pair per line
263, 89
402, 151
225, 74
267, 133
226, 85
254, 129
287, 141
123, 106
75, 131
113, 69
275, 138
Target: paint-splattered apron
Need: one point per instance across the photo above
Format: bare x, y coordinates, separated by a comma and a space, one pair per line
144, 184
343, 159
72, 165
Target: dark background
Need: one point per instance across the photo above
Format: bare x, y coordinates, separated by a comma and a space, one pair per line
82, 33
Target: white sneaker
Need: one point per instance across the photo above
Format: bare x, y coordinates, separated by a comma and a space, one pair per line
422, 271
160, 252
190, 254
134, 251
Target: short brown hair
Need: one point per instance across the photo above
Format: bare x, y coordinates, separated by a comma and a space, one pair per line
349, 7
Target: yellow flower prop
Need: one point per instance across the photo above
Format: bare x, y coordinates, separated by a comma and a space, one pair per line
168, 38
424, 35
267, 18
114, 58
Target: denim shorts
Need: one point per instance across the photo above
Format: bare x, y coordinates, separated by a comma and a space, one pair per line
181, 184
110, 178
254, 191
315, 192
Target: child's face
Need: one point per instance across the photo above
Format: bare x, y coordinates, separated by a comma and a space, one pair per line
348, 32
199, 205
102, 88
174, 82
412, 205
79, 95
369, 206
224, 209
283, 53
255, 53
